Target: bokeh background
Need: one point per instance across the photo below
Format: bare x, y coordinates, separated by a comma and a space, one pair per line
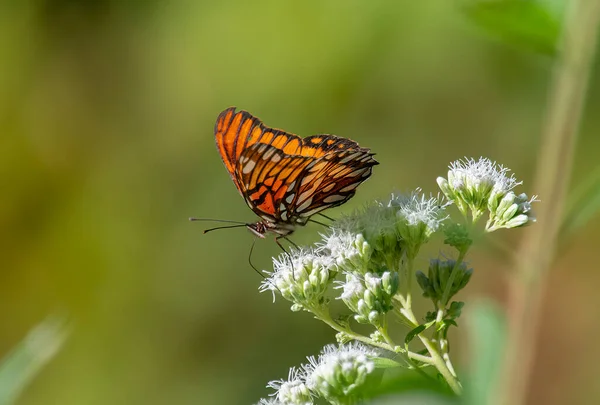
107, 110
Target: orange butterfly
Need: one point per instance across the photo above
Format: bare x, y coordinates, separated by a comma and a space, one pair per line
286, 179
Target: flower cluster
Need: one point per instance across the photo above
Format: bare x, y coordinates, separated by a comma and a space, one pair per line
370, 258
477, 186
367, 247
339, 375
302, 277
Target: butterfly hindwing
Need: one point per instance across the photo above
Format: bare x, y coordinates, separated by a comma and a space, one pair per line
331, 181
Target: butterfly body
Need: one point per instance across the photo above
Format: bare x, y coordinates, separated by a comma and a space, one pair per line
286, 179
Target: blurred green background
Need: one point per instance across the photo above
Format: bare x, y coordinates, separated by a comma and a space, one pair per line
107, 110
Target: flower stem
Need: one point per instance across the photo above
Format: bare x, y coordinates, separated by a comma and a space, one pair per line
455, 270
409, 270
536, 253
441, 365
325, 317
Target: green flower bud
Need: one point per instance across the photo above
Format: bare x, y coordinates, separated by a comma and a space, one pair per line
440, 272
457, 236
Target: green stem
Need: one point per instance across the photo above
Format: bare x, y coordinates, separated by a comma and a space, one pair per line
537, 250
409, 276
441, 365
325, 317
444, 366
383, 330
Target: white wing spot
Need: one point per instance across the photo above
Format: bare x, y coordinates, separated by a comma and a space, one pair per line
282, 207
291, 186
284, 216
304, 205
307, 179
334, 198
356, 173
348, 188
290, 198
305, 195
328, 188
350, 157
248, 167
275, 158
313, 211
268, 154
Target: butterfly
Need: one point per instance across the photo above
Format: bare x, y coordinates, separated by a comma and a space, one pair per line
285, 179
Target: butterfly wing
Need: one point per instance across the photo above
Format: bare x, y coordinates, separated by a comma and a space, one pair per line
330, 181
235, 132
269, 176
285, 178
291, 188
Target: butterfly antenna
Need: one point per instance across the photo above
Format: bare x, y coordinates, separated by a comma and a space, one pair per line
222, 227
238, 224
194, 219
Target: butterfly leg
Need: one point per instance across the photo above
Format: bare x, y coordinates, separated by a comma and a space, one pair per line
325, 216
320, 223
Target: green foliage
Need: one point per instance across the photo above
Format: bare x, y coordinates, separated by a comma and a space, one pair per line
528, 24
20, 366
583, 205
487, 337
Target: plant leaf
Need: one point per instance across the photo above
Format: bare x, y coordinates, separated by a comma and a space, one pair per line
382, 362
411, 335
528, 24
30, 355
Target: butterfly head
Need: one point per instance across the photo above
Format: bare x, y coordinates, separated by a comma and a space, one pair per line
261, 228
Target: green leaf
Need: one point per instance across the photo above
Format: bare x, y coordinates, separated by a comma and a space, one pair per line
583, 205
528, 24
24, 361
411, 335
382, 362
487, 334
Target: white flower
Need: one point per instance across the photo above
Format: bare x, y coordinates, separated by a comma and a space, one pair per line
301, 276
472, 183
340, 372
293, 390
349, 250
365, 241
269, 401
418, 217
